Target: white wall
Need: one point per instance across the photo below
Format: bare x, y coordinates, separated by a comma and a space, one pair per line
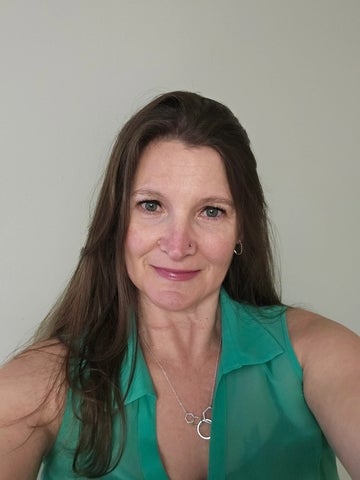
73, 71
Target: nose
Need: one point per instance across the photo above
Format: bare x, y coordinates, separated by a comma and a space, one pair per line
178, 241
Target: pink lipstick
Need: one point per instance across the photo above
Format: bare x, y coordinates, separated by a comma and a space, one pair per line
176, 275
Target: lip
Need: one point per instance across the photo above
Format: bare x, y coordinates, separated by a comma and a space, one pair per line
176, 275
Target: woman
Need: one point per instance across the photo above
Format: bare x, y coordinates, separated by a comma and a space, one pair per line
170, 354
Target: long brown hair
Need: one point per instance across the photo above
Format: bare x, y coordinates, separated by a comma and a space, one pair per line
92, 316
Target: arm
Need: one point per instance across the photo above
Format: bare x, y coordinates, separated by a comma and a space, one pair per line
29, 415
330, 357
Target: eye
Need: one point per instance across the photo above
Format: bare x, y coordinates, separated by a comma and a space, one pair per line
150, 205
213, 212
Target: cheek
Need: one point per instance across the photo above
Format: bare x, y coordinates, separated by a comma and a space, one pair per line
220, 251
131, 249
133, 242
137, 243
132, 252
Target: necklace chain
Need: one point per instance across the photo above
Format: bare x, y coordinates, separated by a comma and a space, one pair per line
189, 417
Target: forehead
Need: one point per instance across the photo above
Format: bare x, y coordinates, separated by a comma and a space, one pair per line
171, 163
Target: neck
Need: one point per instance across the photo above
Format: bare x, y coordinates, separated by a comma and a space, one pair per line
182, 335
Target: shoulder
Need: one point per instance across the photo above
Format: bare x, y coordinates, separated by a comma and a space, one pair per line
325, 349
329, 354
29, 378
33, 389
315, 337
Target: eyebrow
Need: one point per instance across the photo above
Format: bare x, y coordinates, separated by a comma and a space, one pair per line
209, 200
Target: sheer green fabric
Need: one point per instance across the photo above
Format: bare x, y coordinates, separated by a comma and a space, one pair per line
262, 428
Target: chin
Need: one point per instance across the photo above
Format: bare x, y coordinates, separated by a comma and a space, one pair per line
173, 301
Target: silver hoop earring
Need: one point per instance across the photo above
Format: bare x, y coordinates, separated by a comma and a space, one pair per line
238, 250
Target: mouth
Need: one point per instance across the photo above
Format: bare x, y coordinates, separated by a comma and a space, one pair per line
176, 275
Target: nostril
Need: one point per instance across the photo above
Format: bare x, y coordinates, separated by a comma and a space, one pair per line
175, 246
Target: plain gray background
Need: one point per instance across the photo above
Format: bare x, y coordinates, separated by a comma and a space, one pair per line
73, 70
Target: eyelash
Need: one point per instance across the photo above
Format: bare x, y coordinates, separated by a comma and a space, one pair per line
145, 203
219, 211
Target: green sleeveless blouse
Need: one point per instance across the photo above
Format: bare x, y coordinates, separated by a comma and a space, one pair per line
262, 428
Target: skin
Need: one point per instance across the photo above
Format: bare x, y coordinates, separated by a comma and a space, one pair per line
179, 245
24, 383
180, 242
329, 354
182, 229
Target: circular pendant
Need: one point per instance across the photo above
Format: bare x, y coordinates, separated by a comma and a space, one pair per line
199, 425
204, 421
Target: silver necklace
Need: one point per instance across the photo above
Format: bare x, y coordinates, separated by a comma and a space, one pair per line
189, 417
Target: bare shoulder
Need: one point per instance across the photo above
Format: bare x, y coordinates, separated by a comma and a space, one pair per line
32, 383
31, 403
28, 375
314, 336
329, 354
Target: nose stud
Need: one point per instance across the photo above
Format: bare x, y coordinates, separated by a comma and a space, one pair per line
159, 243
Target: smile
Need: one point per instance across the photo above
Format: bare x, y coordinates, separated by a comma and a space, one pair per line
176, 275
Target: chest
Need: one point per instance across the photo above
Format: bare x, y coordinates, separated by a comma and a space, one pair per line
256, 431
183, 418
261, 428
184, 453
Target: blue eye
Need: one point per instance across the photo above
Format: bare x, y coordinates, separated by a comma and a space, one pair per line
150, 205
213, 212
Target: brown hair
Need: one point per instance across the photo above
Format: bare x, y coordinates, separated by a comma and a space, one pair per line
92, 316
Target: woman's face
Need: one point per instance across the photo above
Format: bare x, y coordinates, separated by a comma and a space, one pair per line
183, 226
